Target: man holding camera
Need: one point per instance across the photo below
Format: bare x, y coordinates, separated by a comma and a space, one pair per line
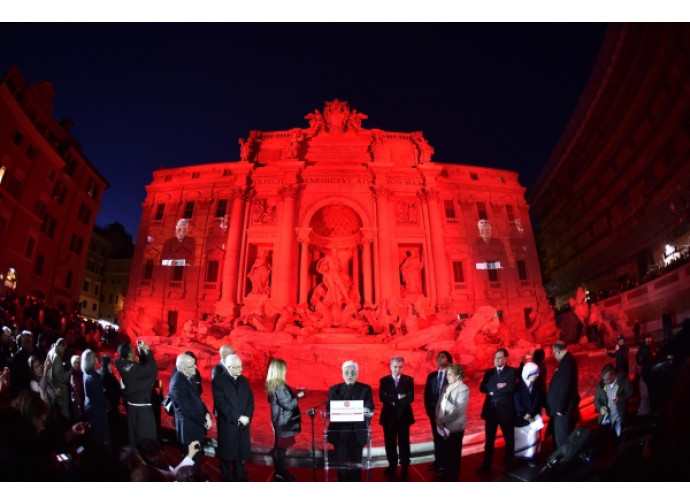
137, 380
192, 419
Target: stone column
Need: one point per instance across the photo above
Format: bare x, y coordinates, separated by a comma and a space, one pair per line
355, 269
303, 237
283, 285
228, 299
386, 259
432, 199
367, 270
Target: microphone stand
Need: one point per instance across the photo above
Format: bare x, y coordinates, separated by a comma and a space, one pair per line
312, 413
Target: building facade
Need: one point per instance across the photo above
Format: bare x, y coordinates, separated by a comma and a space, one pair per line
611, 208
49, 195
94, 276
326, 224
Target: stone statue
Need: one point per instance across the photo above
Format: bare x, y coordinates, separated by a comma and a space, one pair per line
354, 121
294, 145
411, 273
379, 150
331, 271
316, 122
259, 274
244, 150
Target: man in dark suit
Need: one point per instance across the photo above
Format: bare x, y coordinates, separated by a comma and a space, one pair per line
435, 382
562, 397
499, 409
348, 438
396, 392
234, 407
192, 418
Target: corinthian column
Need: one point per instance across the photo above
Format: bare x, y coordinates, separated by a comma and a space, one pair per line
431, 199
228, 299
367, 270
284, 283
303, 236
386, 258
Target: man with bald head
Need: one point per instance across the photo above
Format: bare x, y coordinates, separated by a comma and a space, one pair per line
192, 418
234, 407
225, 350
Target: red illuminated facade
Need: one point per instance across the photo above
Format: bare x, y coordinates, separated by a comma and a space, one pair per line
49, 195
333, 229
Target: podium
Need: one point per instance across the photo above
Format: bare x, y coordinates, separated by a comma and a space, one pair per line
348, 430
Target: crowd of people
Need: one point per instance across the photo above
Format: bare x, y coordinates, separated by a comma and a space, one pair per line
60, 407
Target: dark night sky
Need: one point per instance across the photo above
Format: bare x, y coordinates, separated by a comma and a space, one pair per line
145, 96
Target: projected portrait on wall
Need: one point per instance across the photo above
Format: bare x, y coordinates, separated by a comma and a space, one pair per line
179, 250
490, 251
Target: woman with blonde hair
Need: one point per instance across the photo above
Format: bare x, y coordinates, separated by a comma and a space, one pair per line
285, 415
451, 417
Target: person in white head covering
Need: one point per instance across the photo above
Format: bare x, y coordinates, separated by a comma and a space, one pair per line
528, 422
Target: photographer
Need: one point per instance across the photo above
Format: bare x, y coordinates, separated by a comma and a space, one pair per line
138, 377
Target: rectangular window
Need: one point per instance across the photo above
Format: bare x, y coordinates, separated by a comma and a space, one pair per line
92, 189
48, 226
76, 243
59, 192
30, 244
222, 208
84, 214
196, 175
473, 176
458, 272
40, 209
38, 266
71, 167
117, 298
86, 286
501, 180
160, 209
188, 210
148, 269
510, 213
449, 208
212, 271
481, 211
96, 288
522, 269
68, 279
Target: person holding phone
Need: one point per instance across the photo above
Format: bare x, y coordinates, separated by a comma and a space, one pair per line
285, 415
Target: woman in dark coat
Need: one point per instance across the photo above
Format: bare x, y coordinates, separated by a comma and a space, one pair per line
285, 416
528, 404
95, 403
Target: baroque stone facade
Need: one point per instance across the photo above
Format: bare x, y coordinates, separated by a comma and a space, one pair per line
334, 229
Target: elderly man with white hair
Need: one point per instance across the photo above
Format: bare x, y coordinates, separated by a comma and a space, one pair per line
348, 438
192, 418
234, 407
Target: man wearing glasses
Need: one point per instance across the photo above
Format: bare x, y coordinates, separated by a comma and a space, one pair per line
234, 407
192, 418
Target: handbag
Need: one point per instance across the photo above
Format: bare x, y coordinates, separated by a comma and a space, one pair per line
168, 405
